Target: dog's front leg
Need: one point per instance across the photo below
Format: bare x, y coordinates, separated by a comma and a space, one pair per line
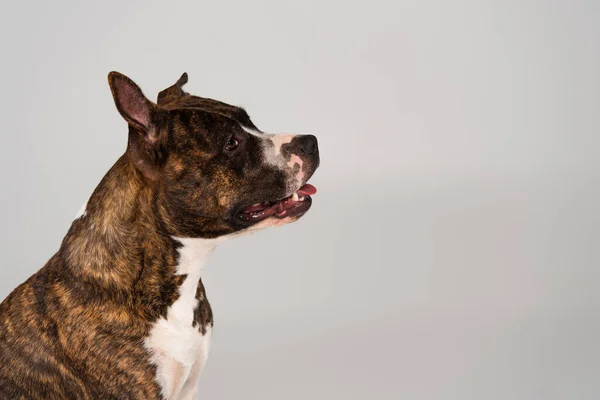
190, 388
170, 374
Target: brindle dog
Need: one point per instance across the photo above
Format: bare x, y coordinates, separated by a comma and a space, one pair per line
120, 312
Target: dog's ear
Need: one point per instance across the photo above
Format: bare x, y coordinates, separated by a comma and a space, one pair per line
173, 92
130, 101
147, 143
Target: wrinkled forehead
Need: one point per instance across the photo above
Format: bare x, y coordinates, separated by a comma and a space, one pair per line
218, 110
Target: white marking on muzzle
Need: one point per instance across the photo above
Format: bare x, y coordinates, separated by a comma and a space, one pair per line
272, 152
295, 160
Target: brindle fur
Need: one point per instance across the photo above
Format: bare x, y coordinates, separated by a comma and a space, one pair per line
75, 329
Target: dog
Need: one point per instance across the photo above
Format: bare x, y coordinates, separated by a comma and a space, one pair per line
120, 311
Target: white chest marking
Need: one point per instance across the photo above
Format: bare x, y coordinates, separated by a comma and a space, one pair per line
178, 349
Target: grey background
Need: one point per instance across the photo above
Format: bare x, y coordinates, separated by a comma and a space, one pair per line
452, 249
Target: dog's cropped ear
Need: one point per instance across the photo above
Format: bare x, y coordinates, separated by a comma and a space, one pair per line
130, 101
147, 143
174, 92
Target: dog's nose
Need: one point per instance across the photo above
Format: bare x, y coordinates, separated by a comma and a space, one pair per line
308, 144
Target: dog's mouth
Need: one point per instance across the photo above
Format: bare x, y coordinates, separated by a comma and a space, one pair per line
292, 206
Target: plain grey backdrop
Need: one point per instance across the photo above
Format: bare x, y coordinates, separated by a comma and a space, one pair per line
452, 251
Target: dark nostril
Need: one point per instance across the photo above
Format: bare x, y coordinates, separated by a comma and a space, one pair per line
308, 144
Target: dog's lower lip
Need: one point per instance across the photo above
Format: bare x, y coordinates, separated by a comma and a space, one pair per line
280, 209
295, 205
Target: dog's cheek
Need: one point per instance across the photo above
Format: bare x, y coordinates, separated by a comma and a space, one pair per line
222, 188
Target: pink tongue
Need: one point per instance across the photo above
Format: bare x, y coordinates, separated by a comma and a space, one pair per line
307, 190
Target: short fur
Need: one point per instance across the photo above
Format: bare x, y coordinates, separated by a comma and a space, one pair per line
78, 328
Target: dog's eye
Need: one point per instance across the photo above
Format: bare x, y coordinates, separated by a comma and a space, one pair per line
232, 144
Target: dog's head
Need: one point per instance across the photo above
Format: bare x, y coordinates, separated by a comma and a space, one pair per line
214, 172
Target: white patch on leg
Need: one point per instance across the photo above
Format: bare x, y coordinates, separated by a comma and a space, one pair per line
190, 388
175, 344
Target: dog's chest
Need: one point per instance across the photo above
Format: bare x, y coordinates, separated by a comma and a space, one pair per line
178, 348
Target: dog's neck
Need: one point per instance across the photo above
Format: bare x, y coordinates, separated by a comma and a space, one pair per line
120, 245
